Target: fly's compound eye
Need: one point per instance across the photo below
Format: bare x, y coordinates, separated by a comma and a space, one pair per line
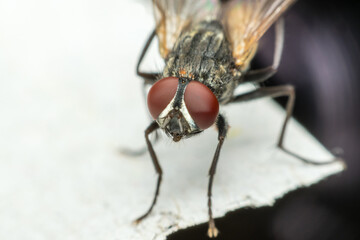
160, 95
201, 103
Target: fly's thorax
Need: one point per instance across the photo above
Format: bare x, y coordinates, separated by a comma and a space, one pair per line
183, 112
203, 53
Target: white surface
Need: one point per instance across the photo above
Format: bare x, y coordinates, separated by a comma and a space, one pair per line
69, 98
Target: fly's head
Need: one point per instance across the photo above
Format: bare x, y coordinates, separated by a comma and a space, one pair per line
182, 107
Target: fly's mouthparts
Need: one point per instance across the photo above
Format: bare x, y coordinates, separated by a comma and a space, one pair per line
175, 125
176, 137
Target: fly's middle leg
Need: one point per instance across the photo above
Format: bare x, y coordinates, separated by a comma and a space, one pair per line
261, 75
222, 129
149, 79
279, 91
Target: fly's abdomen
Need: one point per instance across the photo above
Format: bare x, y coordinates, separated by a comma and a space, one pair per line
203, 54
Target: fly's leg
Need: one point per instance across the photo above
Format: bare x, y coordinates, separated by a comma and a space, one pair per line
261, 75
149, 79
279, 91
222, 129
153, 126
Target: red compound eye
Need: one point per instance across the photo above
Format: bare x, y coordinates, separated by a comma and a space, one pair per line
160, 95
201, 104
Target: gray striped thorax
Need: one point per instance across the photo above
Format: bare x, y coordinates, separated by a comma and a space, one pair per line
203, 54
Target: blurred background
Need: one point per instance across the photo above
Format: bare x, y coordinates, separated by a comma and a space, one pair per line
322, 60
37, 61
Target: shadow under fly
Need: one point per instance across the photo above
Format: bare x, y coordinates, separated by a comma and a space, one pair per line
207, 47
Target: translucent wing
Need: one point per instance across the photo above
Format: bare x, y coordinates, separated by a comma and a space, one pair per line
172, 16
245, 22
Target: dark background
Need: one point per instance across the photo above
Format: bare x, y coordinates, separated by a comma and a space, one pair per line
322, 60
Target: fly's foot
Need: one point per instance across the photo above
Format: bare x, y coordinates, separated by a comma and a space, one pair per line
310, 161
138, 220
213, 232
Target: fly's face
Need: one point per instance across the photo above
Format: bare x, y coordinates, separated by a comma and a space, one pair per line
182, 107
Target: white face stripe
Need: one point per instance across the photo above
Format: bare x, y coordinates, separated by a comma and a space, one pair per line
187, 116
164, 119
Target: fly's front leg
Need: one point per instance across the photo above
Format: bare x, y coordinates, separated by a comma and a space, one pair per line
278, 91
153, 126
261, 75
222, 129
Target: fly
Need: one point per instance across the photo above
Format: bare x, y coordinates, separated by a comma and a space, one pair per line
207, 47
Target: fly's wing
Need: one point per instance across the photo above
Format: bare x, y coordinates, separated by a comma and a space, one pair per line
173, 16
246, 21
